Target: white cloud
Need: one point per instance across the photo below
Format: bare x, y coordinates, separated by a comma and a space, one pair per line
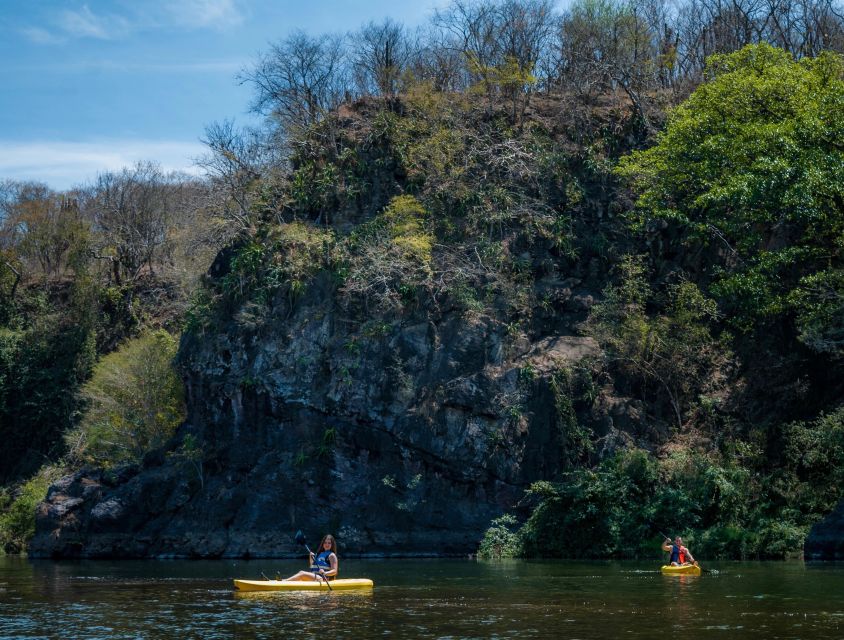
63, 165
41, 36
84, 23
198, 14
146, 16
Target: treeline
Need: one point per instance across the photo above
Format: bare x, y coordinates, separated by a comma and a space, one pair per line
127, 224
508, 53
519, 47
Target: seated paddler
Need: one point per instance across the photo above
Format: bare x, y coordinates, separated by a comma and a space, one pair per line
324, 564
680, 555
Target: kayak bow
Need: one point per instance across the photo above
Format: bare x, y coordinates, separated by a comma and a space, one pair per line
686, 570
299, 585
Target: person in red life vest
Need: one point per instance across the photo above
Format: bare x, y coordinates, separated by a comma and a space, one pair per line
324, 565
680, 555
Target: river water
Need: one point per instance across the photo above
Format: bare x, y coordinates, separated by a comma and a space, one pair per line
421, 599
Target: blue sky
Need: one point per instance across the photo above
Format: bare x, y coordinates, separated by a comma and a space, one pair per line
96, 85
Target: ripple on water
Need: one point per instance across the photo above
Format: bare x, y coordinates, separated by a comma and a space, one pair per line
723, 627
618, 601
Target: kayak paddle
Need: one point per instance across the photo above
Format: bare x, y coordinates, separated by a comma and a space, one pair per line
300, 539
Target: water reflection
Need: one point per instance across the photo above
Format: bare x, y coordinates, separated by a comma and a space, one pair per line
322, 599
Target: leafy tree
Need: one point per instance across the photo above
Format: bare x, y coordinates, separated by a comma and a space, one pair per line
135, 403
610, 510
44, 358
674, 350
819, 301
42, 233
510, 78
809, 463
753, 161
726, 504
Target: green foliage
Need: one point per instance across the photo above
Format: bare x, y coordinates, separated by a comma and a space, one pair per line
299, 251
411, 493
17, 511
326, 445
430, 143
594, 513
404, 219
42, 365
285, 259
135, 400
191, 453
730, 505
199, 312
809, 463
673, 352
819, 304
500, 540
511, 79
313, 188
754, 162
569, 386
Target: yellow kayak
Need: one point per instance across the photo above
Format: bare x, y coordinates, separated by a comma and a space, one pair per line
687, 570
299, 585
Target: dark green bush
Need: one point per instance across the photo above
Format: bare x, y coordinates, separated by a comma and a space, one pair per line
724, 505
501, 540
17, 510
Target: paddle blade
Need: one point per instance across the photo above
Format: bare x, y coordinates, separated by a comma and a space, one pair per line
300, 537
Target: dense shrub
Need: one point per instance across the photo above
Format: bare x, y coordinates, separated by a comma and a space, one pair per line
135, 403
673, 354
44, 358
501, 540
726, 505
17, 509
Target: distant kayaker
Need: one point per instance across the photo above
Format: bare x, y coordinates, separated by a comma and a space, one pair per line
324, 565
680, 555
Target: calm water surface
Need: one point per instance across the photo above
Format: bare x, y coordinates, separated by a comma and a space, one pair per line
421, 599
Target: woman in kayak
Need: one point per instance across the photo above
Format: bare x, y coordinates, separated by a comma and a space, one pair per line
680, 555
324, 566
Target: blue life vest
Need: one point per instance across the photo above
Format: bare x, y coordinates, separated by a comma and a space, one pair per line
321, 560
676, 555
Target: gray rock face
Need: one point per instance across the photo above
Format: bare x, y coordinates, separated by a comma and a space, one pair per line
402, 435
826, 538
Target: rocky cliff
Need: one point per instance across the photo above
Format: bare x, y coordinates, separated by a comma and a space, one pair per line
826, 538
405, 420
407, 439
